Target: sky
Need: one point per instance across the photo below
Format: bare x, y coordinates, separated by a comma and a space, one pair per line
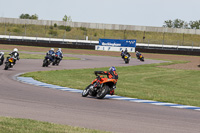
125, 12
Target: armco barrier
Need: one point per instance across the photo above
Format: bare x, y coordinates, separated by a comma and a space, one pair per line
52, 44
82, 44
167, 51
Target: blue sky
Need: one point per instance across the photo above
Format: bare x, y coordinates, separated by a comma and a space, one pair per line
128, 12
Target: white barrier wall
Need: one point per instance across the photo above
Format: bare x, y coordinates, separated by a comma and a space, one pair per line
100, 26
109, 48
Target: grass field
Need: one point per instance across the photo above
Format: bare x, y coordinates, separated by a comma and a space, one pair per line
145, 82
95, 34
16, 125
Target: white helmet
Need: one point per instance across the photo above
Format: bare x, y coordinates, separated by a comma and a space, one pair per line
59, 49
52, 49
15, 50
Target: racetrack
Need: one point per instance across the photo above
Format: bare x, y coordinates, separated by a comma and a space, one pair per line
28, 101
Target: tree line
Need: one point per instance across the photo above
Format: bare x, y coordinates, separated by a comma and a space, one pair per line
178, 23
35, 17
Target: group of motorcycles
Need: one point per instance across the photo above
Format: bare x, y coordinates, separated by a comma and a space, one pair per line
9, 63
126, 57
106, 84
52, 58
49, 58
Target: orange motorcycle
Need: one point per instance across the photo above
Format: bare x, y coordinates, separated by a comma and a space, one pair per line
101, 89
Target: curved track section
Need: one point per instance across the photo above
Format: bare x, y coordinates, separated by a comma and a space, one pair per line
27, 101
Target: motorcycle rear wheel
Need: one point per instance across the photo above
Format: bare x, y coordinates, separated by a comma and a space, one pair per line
58, 62
102, 92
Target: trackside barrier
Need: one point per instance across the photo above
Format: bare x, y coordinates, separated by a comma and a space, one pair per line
116, 45
109, 48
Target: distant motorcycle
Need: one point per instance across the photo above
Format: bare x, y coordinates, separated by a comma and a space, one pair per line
10, 62
127, 58
106, 85
57, 59
140, 57
1, 58
47, 61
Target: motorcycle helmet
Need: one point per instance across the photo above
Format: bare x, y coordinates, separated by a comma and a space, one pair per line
52, 49
112, 69
15, 50
59, 49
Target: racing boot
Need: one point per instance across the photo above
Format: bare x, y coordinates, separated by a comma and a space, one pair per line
112, 92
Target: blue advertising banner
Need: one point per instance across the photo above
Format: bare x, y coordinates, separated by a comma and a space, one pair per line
117, 42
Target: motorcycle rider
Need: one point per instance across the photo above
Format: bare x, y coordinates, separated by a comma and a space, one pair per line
126, 52
15, 55
122, 54
138, 54
59, 53
51, 53
111, 74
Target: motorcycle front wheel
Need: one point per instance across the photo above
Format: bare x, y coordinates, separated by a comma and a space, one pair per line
126, 61
44, 63
86, 91
6, 66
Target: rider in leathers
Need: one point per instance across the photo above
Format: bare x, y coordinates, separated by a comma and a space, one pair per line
59, 53
138, 54
15, 55
111, 74
126, 53
51, 53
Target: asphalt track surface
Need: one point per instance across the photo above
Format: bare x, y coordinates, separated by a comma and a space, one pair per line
21, 100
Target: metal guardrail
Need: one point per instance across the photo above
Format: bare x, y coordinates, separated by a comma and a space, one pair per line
89, 42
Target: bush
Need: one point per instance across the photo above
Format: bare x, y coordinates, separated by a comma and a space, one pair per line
83, 28
55, 25
68, 28
53, 33
95, 34
61, 27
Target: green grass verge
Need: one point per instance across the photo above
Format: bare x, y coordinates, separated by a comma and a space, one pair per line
38, 56
145, 82
17, 125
